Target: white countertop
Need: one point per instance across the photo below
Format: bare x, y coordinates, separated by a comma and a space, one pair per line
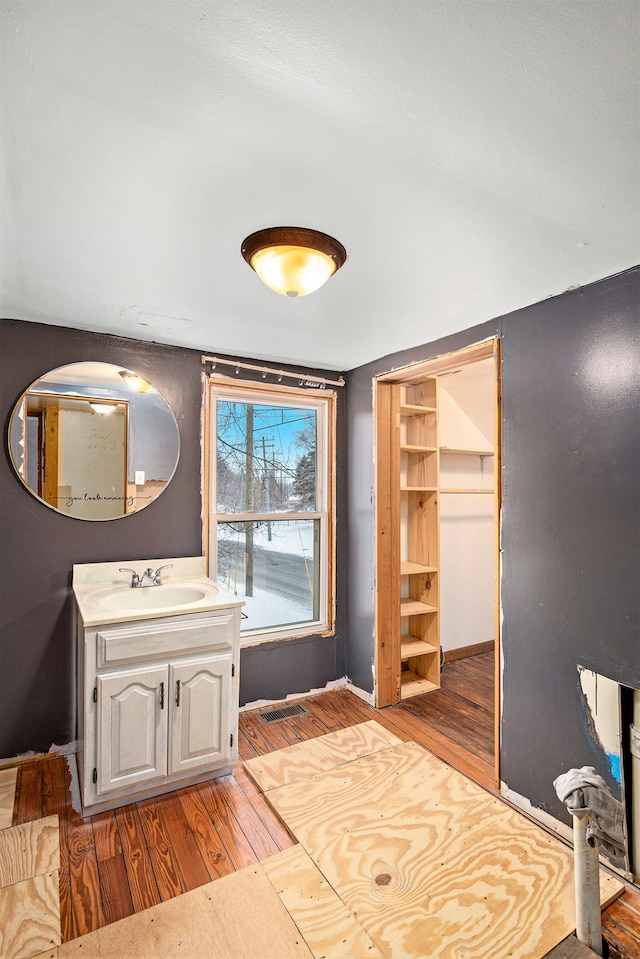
98, 587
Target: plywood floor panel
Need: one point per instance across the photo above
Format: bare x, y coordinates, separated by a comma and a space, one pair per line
49, 792
274, 826
323, 919
431, 864
437, 742
29, 850
7, 795
30, 912
304, 760
237, 917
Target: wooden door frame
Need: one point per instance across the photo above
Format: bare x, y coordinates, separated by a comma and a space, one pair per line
386, 517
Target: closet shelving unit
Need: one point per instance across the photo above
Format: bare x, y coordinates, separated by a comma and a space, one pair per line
407, 539
423, 450
419, 553
410, 466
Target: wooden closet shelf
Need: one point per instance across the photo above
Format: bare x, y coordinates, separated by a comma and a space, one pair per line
483, 490
418, 489
410, 409
412, 685
465, 452
412, 569
412, 607
413, 448
412, 646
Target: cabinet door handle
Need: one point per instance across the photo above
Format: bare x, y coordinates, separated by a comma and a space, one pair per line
177, 692
162, 695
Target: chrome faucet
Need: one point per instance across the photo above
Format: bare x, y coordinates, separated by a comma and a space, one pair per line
154, 577
135, 579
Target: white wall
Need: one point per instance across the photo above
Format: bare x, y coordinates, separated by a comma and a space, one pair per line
82, 473
473, 389
467, 543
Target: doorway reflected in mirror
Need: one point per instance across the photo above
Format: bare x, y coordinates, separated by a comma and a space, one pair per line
94, 441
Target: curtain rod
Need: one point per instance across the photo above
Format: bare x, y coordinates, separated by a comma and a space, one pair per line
303, 378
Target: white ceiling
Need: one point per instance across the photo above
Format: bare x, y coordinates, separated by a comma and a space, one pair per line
473, 157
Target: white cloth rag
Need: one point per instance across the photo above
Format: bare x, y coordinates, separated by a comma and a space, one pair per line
585, 793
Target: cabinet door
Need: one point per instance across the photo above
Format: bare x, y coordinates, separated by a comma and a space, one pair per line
132, 727
199, 733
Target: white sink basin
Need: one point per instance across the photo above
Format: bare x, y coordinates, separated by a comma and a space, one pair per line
152, 597
104, 594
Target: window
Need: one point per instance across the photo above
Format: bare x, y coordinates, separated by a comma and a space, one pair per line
271, 506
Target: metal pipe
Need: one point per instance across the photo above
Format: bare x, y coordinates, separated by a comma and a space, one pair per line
587, 887
304, 378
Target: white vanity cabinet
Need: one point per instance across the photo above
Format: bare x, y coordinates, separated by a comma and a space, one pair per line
158, 704
199, 726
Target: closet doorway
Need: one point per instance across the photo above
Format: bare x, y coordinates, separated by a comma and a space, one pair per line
437, 457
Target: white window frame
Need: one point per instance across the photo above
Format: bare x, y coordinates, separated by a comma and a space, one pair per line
324, 403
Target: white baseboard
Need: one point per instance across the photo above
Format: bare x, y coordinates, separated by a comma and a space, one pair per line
554, 825
334, 684
259, 703
369, 698
30, 755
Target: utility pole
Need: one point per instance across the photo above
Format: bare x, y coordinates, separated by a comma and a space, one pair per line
248, 502
267, 485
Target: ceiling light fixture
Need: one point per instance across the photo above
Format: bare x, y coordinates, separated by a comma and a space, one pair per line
293, 260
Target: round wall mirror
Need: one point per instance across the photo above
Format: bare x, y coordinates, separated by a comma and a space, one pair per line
94, 441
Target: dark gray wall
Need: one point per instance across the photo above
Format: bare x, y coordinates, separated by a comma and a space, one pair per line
40, 546
570, 519
274, 670
571, 522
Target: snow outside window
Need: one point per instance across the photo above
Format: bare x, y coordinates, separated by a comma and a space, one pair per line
270, 497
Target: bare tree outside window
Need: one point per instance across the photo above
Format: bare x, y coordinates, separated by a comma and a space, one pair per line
258, 452
270, 524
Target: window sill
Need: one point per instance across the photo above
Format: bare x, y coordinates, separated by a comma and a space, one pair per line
283, 634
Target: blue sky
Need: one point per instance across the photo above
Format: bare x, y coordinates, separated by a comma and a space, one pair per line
278, 425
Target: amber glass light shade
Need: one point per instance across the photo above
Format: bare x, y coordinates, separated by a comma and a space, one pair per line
293, 261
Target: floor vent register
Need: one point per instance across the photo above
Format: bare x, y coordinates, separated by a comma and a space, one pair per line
282, 712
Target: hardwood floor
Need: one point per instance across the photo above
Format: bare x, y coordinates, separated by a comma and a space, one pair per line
121, 862
458, 719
